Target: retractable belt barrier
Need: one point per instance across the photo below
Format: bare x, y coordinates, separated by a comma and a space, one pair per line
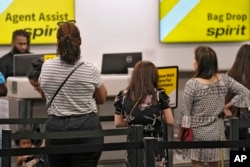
233, 143
41, 120
7, 136
76, 148
147, 144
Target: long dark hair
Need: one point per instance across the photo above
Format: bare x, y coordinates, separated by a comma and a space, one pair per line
143, 81
207, 62
240, 70
68, 43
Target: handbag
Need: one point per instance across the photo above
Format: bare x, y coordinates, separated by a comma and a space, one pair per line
187, 134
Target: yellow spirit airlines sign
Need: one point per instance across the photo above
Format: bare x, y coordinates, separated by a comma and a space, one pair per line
204, 20
39, 17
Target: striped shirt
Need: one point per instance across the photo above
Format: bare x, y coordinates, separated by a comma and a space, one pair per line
76, 95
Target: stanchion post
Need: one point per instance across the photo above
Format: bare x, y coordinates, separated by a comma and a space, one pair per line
149, 145
137, 132
234, 130
168, 137
6, 144
139, 137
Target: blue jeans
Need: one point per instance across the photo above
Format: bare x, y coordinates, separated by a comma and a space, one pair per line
80, 123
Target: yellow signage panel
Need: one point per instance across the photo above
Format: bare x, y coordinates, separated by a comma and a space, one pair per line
39, 17
168, 80
204, 20
49, 56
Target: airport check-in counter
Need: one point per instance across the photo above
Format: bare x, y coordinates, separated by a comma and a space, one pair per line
23, 101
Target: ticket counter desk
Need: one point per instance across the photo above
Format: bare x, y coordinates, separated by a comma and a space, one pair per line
23, 101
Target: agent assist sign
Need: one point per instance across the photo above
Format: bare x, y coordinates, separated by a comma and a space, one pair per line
168, 80
204, 20
37, 17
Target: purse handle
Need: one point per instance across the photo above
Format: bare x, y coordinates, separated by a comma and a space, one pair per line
131, 111
49, 104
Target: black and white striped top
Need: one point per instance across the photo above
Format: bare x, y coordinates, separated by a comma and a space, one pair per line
76, 95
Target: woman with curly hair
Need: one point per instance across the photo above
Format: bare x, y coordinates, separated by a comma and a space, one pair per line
72, 89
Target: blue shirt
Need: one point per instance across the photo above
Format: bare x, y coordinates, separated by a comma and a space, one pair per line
2, 79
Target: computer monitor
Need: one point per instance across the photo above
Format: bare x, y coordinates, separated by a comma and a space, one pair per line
118, 63
22, 63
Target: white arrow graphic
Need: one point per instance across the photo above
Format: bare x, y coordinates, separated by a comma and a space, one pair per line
175, 15
4, 4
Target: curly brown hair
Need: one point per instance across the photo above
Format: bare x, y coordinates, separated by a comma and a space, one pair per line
68, 43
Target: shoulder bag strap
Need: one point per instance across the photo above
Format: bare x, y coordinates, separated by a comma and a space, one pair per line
64, 83
131, 111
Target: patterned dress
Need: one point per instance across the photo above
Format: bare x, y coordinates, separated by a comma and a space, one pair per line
201, 107
146, 114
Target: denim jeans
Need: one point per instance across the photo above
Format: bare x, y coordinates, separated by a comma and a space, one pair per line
63, 124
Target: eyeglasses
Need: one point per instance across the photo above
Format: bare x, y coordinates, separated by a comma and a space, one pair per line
63, 22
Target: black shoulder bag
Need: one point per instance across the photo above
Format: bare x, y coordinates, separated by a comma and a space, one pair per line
49, 104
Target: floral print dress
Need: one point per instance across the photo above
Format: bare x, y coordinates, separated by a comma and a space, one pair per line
146, 114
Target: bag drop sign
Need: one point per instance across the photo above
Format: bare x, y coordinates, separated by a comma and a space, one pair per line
204, 20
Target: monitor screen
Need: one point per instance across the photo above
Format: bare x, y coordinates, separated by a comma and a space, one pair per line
22, 63
118, 63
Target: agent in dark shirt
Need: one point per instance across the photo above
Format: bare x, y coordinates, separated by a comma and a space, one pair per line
20, 44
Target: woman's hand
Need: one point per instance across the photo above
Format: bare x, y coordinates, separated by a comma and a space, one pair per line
228, 113
227, 110
178, 151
